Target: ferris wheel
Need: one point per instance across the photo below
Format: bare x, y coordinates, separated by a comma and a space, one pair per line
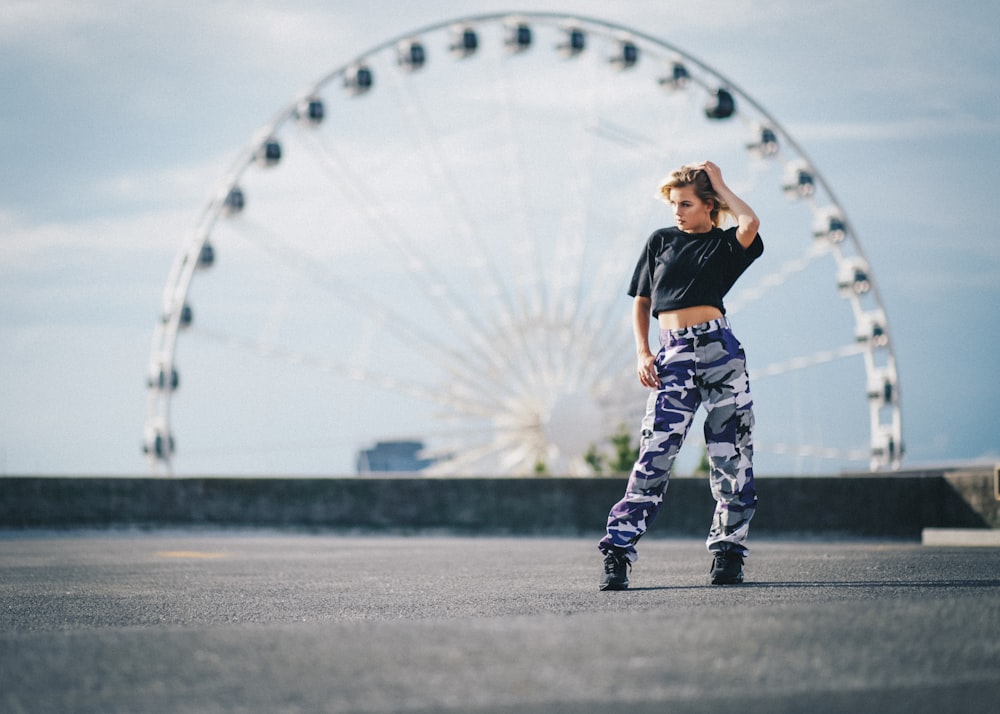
434, 240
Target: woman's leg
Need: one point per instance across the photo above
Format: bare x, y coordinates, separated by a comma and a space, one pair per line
669, 412
729, 421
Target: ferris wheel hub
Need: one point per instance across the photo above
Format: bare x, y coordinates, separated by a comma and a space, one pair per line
574, 423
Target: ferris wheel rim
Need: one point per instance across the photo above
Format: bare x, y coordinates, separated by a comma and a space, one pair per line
186, 262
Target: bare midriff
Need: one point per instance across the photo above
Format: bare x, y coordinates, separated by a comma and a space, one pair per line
688, 316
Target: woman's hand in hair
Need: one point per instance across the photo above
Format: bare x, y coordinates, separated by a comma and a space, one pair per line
714, 174
747, 222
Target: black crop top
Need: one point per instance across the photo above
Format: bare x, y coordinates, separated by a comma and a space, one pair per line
678, 270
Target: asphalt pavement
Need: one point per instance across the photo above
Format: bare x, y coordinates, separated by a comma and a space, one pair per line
289, 622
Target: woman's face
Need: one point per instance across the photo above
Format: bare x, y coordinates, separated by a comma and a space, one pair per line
691, 214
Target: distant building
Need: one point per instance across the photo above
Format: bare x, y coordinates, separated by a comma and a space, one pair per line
393, 456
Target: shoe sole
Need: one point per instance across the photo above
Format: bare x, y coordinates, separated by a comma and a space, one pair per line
614, 586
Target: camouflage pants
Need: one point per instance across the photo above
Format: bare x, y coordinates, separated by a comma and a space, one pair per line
699, 365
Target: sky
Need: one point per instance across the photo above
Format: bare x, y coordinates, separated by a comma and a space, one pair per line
119, 118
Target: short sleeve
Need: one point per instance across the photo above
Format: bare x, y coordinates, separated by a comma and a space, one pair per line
641, 284
754, 250
740, 258
642, 276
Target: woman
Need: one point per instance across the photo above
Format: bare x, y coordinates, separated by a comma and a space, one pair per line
681, 278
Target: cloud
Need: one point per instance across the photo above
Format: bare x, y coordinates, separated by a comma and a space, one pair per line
27, 246
179, 186
48, 27
906, 128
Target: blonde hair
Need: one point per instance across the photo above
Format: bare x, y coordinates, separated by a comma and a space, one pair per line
691, 175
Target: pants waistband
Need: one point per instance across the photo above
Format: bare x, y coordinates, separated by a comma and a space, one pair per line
719, 323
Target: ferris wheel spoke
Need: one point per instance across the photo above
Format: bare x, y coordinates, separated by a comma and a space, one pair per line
604, 311
492, 287
493, 290
813, 451
357, 298
607, 320
817, 358
468, 457
460, 369
809, 451
525, 238
461, 462
570, 247
778, 277
419, 265
592, 305
356, 372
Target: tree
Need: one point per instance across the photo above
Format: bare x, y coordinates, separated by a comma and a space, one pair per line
703, 466
596, 459
625, 453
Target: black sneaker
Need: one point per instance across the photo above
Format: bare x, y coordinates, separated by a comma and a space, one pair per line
616, 567
727, 567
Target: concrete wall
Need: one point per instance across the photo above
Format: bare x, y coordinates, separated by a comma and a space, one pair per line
898, 505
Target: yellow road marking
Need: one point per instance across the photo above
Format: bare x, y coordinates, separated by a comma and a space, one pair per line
188, 554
